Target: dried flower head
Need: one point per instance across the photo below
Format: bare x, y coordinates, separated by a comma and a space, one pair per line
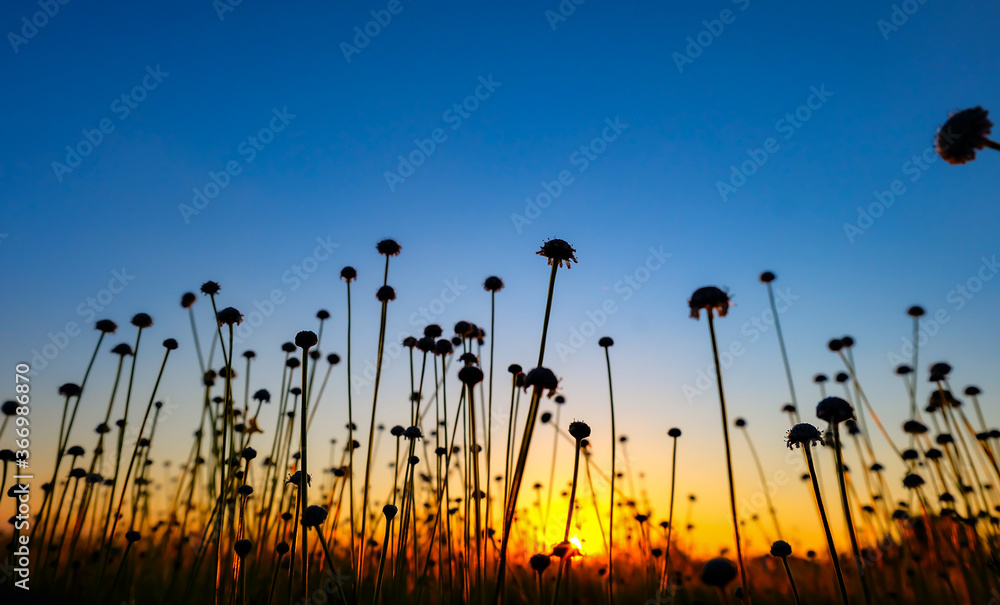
718, 572
70, 389
306, 339
122, 349
470, 375
539, 563
106, 326
385, 294
142, 320
913, 481
767, 277
781, 549
579, 430
493, 284
709, 298
170, 344
903, 369
803, 434
788, 408
314, 516
965, 132
674, 432
542, 378
229, 317
388, 247
605, 341
834, 410
559, 252
210, 288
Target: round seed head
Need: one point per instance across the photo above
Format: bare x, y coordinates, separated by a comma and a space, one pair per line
306, 339
543, 379
514, 369
972, 391
333, 359
132, 536
767, 277
122, 349
389, 511
803, 434
242, 547
76, 450
834, 410
903, 369
349, 274
70, 389
314, 516
281, 548
842, 377
913, 481
835, 345
962, 135
170, 344
106, 326
262, 395
187, 299
142, 320
781, 549
914, 428
718, 572
385, 294
323, 315
605, 341
820, 378
915, 311
674, 432
388, 247
579, 430
559, 252
493, 284
539, 563
210, 288
470, 375
788, 408
709, 298
229, 317
740, 422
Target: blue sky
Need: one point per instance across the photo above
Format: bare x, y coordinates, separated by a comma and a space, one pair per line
272, 81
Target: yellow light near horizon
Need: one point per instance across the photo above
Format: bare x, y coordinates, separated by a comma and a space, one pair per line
575, 541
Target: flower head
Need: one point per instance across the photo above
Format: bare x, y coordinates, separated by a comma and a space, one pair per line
106, 326
543, 378
965, 132
210, 288
674, 432
767, 277
781, 549
834, 410
170, 344
493, 284
718, 572
242, 547
306, 339
579, 430
605, 342
470, 375
539, 563
70, 389
187, 299
558, 251
314, 516
122, 349
229, 316
803, 434
385, 294
388, 247
348, 274
709, 298
389, 511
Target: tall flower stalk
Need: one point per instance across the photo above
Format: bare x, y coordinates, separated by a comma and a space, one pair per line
713, 300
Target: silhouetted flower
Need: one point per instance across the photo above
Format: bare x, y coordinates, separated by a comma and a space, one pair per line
132, 536
470, 375
493, 284
389, 511
210, 288
709, 298
385, 294
803, 433
306, 339
543, 378
229, 316
70, 390
558, 252
122, 349
106, 326
170, 344
767, 277
605, 341
781, 549
142, 320
388, 247
187, 299
579, 430
674, 432
965, 132
718, 572
539, 563
349, 274
314, 516
834, 410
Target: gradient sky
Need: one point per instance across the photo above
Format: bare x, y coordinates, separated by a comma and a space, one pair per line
556, 84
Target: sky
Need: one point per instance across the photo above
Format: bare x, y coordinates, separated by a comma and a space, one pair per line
151, 147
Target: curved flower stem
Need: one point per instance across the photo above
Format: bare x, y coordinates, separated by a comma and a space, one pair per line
670, 519
729, 458
522, 458
781, 344
845, 501
826, 525
611, 510
791, 580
